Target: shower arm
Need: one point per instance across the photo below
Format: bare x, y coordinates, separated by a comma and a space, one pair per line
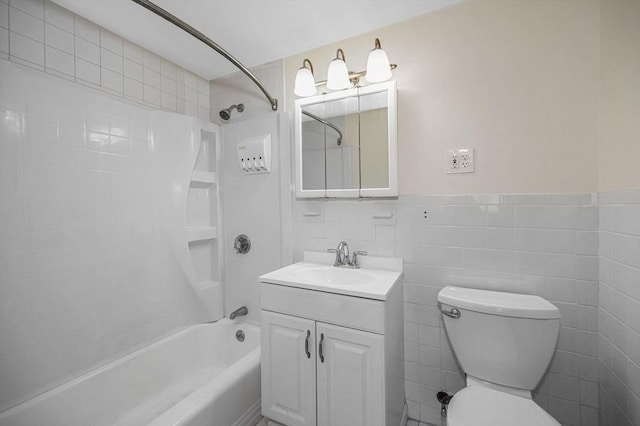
206, 40
326, 123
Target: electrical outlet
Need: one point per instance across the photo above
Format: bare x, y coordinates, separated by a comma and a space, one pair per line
460, 160
453, 162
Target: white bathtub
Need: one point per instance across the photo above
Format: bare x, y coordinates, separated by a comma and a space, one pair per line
198, 376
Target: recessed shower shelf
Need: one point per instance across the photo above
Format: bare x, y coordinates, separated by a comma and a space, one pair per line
202, 179
201, 233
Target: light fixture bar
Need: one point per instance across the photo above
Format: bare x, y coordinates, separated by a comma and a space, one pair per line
206, 40
353, 76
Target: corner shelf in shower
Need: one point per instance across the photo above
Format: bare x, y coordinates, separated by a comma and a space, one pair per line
201, 233
201, 179
203, 220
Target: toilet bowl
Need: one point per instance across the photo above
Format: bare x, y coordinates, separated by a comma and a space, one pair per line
504, 343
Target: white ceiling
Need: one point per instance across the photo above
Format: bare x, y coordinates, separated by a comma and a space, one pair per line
254, 31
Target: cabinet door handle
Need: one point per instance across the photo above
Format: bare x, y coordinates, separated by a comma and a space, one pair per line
306, 344
320, 348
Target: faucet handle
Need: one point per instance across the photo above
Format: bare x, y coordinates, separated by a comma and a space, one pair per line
354, 261
337, 252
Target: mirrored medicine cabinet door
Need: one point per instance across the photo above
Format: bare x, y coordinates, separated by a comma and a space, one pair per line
345, 143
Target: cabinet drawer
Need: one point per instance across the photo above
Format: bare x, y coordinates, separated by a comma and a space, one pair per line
348, 311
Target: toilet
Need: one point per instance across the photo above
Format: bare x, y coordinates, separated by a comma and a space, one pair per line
504, 343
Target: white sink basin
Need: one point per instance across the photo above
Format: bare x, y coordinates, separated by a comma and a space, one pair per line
333, 276
317, 272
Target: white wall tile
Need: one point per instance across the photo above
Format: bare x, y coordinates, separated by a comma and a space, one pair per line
133, 52
32, 7
619, 342
133, 70
111, 81
4, 41
59, 17
26, 49
111, 61
529, 216
60, 39
59, 61
87, 51
87, 71
4, 15
111, 42
152, 78
133, 89
26, 25
152, 61
152, 96
169, 86
87, 30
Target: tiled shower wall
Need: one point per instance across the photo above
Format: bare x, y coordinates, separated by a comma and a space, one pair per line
539, 244
49, 38
619, 343
92, 188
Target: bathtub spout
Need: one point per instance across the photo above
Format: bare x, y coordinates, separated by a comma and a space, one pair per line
241, 311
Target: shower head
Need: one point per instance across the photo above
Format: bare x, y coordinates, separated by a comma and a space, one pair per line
225, 114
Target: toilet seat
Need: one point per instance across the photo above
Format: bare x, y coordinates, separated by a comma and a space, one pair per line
481, 406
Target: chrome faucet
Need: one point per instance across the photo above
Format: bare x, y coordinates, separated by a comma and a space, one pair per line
342, 256
241, 311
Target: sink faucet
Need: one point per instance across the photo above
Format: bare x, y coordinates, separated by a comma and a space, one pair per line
342, 256
241, 311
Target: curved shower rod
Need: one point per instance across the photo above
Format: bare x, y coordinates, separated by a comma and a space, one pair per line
206, 40
326, 123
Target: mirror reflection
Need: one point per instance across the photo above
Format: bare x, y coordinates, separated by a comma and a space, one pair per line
345, 142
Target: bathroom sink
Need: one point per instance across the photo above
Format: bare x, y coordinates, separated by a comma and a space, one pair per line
374, 280
332, 275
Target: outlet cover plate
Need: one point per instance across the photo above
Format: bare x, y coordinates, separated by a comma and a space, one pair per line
460, 161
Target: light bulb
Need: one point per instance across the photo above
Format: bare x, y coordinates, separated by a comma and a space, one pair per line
338, 74
378, 68
305, 85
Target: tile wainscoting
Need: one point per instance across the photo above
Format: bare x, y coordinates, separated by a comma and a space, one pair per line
619, 308
544, 244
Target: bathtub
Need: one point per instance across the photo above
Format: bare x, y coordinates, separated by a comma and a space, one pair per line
201, 375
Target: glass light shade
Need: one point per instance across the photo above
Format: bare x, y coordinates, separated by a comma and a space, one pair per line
378, 67
305, 85
338, 75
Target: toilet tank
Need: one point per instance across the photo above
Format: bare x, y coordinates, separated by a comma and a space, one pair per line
503, 338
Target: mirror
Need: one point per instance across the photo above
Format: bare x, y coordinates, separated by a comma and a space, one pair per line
346, 143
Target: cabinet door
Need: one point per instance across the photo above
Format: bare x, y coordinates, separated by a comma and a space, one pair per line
350, 376
288, 369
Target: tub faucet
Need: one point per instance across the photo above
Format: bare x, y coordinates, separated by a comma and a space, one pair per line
241, 311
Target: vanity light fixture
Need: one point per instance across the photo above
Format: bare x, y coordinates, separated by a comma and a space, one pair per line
338, 75
378, 67
305, 83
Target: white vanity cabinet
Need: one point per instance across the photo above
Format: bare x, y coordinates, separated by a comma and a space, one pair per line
330, 358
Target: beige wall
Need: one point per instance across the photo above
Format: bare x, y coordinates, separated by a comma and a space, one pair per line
620, 95
516, 80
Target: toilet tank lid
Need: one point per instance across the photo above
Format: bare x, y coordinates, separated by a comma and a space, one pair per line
498, 303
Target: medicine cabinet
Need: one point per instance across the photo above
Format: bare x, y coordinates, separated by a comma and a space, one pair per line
346, 143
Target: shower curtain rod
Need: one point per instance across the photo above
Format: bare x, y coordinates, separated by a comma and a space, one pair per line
326, 123
206, 40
